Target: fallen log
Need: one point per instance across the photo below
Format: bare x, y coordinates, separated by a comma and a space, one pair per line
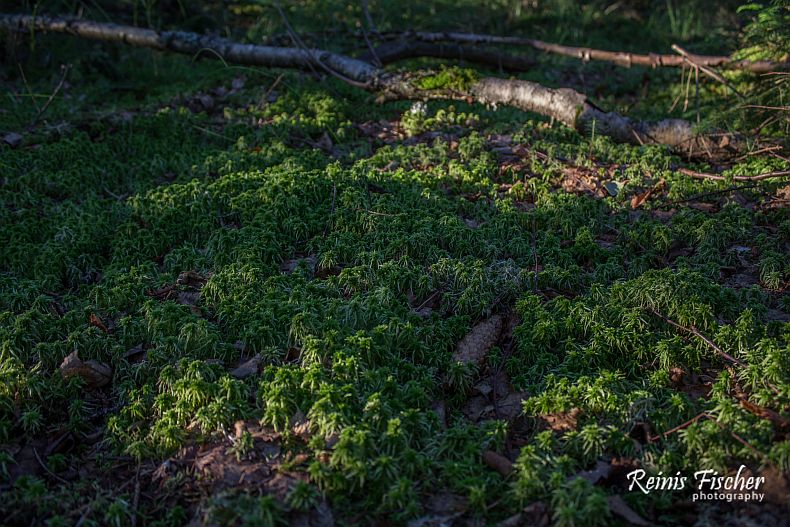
565, 105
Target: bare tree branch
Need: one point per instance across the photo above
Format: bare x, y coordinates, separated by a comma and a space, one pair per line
563, 104
621, 58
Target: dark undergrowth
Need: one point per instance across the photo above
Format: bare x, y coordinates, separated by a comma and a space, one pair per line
265, 277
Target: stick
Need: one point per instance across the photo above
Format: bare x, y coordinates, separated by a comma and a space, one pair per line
621, 58
43, 109
705, 69
694, 331
707, 175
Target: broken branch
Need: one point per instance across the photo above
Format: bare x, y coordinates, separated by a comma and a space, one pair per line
621, 58
568, 106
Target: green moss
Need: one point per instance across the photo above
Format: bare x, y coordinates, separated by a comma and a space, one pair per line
450, 78
351, 265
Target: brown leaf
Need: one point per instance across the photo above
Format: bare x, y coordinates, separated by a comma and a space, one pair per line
12, 139
97, 322
510, 407
188, 298
596, 474
620, 508
191, 279
247, 368
780, 421
473, 347
638, 199
94, 373
535, 515
300, 425
498, 462
289, 266
562, 421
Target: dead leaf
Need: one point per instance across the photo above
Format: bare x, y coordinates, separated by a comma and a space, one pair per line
97, 322
134, 351
289, 266
535, 515
596, 474
473, 347
562, 421
94, 373
300, 425
247, 368
325, 143
188, 298
510, 407
12, 139
498, 462
620, 508
638, 199
191, 279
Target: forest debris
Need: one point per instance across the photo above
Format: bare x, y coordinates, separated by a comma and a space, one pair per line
620, 508
601, 471
94, 373
95, 321
473, 347
12, 139
300, 425
562, 421
289, 266
191, 279
247, 368
781, 422
638, 199
510, 407
535, 515
498, 462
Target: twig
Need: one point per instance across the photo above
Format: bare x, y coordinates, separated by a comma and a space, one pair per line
688, 423
43, 109
368, 19
705, 69
717, 177
707, 194
742, 441
621, 58
46, 469
27, 86
298, 41
376, 61
694, 331
136, 498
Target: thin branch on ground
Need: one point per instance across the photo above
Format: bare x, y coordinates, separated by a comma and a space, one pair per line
620, 58
718, 177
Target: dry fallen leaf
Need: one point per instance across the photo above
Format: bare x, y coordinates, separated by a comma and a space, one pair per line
12, 139
300, 425
247, 368
498, 462
473, 347
562, 421
601, 471
620, 508
94, 373
97, 322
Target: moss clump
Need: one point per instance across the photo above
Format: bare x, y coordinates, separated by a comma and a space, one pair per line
449, 78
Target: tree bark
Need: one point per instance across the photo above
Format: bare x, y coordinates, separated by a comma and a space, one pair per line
562, 104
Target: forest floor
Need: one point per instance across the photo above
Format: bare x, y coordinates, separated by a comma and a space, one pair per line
233, 295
